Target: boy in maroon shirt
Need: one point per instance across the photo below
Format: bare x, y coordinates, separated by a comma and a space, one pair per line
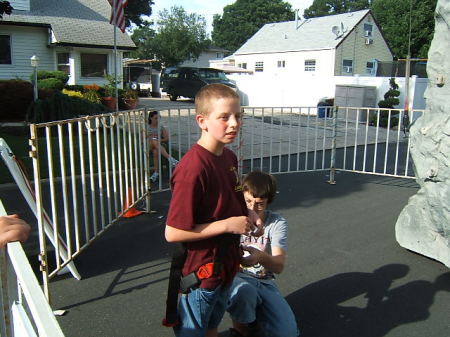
208, 211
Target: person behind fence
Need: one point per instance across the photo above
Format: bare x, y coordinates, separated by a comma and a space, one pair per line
157, 136
256, 306
13, 229
208, 214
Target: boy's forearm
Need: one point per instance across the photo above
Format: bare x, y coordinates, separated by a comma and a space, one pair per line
199, 232
273, 263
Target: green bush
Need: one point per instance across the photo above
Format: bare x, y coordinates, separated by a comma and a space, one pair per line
50, 83
389, 102
60, 107
92, 96
45, 74
15, 97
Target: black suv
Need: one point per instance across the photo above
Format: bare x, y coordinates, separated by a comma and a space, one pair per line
187, 81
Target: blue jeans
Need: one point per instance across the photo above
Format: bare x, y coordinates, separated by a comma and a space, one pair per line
200, 310
250, 298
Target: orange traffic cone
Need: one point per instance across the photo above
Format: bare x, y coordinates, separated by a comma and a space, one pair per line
132, 212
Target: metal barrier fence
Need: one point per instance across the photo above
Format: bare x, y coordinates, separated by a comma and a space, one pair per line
89, 171
24, 310
283, 140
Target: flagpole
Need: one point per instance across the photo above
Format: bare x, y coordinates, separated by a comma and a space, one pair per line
115, 55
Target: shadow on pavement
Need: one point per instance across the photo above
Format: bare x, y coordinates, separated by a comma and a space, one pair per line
364, 304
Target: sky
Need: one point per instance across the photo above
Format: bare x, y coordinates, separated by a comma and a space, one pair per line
211, 7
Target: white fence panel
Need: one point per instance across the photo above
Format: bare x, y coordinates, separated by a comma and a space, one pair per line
286, 90
88, 172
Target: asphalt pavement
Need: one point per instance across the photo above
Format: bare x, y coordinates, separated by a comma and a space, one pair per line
346, 275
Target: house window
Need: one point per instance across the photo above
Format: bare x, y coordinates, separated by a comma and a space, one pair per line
370, 68
259, 66
281, 64
63, 62
219, 55
5, 49
310, 65
347, 66
94, 65
242, 65
368, 30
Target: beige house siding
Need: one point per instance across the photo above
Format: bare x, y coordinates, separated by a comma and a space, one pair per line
354, 48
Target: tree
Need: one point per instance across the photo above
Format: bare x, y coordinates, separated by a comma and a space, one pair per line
5, 8
244, 18
393, 17
143, 38
134, 11
389, 102
178, 36
331, 7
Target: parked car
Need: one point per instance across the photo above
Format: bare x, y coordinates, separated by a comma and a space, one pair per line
187, 81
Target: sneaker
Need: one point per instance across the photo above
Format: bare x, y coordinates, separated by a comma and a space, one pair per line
173, 161
154, 177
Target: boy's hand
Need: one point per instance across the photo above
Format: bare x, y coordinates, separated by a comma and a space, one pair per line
253, 258
240, 225
13, 229
258, 228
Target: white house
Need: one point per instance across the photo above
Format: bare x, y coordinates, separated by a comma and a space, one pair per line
298, 61
212, 53
343, 44
72, 36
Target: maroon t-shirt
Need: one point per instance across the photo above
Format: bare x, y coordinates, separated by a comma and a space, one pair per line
207, 188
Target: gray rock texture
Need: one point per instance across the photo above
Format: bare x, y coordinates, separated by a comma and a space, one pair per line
424, 224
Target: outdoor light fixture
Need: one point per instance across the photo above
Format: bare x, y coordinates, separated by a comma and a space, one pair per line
34, 63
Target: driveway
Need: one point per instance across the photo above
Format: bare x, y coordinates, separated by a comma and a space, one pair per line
164, 102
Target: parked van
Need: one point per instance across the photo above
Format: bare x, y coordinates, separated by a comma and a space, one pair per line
187, 81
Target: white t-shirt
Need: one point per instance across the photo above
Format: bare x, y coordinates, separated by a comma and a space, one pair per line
275, 235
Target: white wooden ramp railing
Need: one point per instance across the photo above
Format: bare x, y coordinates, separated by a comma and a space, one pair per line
25, 311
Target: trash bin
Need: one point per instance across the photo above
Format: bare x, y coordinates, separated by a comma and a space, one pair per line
329, 102
321, 109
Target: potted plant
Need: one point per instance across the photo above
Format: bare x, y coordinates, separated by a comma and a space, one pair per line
130, 99
109, 99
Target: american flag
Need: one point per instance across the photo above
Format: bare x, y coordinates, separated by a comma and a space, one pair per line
118, 18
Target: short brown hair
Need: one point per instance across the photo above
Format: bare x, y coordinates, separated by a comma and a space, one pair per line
212, 91
260, 185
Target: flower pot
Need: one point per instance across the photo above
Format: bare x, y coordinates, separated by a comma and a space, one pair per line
109, 102
130, 103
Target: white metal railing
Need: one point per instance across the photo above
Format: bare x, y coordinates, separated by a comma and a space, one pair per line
282, 140
88, 172
25, 311
368, 142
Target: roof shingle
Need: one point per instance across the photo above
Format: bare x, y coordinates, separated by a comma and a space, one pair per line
74, 22
311, 34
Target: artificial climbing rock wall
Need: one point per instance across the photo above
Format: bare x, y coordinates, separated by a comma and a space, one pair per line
424, 224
